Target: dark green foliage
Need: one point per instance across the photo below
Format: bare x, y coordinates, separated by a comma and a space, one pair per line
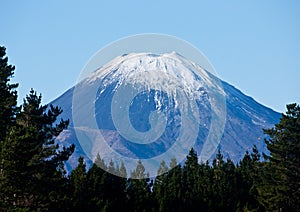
280, 187
159, 188
247, 176
168, 188
251, 185
113, 188
190, 187
8, 95
8, 111
140, 197
33, 168
79, 186
222, 193
97, 189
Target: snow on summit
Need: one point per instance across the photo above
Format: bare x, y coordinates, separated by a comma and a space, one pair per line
168, 72
164, 98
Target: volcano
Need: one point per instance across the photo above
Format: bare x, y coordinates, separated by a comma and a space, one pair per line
143, 106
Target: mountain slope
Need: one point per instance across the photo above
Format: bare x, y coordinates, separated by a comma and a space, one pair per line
156, 119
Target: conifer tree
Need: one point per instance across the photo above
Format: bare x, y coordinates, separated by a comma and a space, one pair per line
98, 186
205, 184
160, 187
95, 188
8, 111
218, 184
122, 171
114, 188
78, 183
191, 187
230, 189
33, 164
8, 95
280, 189
246, 177
173, 193
106, 190
139, 190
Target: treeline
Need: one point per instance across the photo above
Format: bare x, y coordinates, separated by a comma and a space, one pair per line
220, 186
33, 176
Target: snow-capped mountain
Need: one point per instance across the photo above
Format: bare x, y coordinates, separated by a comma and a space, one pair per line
145, 106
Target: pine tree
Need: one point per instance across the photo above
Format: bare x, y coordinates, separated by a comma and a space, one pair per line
230, 189
246, 177
171, 194
8, 95
160, 187
105, 188
191, 187
280, 189
78, 183
95, 188
122, 171
8, 111
218, 184
205, 184
98, 186
33, 165
175, 187
139, 190
114, 188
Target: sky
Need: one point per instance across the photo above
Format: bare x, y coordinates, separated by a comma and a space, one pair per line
253, 45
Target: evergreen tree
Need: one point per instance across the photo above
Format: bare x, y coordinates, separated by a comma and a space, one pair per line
33, 165
106, 190
122, 171
246, 177
218, 184
280, 189
229, 197
139, 190
160, 187
191, 188
78, 183
8, 111
114, 188
96, 188
205, 184
100, 162
173, 198
8, 95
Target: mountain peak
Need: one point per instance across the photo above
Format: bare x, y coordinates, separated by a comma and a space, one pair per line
168, 71
140, 105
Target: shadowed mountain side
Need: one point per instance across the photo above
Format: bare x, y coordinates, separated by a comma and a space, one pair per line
245, 118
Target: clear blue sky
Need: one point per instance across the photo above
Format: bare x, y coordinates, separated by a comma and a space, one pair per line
254, 45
